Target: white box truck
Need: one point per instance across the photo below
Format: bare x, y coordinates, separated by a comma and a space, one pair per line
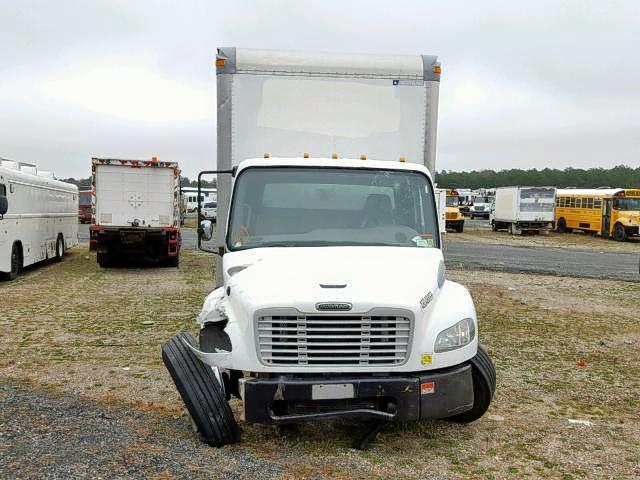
332, 299
135, 211
523, 209
441, 207
38, 217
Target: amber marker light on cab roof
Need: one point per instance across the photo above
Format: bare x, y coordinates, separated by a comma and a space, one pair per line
220, 62
437, 69
334, 156
402, 159
363, 157
305, 154
266, 154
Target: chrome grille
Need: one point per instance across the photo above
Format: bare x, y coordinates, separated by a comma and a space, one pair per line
333, 339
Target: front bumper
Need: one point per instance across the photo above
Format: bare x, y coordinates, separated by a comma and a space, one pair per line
421, 395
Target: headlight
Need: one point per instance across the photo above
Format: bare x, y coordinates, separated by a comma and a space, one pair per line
459, 335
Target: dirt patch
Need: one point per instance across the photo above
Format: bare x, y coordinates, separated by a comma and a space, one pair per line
93, 336
575, 240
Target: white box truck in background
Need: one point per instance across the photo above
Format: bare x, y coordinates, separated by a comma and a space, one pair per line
136, 210
38, 217
523, 209
441, 206
332, 299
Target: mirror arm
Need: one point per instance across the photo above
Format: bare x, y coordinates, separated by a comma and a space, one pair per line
232, 172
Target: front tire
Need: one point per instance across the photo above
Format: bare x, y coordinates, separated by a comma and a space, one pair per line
483, 374
201, 392
619, 233
59, 248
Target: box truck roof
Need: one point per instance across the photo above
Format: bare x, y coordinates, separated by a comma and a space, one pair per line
332, 163
239, 60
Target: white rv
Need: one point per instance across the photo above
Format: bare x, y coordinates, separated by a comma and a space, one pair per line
190, 197
38, 217
332, 299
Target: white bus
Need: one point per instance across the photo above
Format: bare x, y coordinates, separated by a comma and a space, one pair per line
190, 197
38, 217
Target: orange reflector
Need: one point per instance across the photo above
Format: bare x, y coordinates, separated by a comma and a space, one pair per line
437, 69
306, 155
266, 154
334, 156
427, 388
220, 62
363, 157
402, 159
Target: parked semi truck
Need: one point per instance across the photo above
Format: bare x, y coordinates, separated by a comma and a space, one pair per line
136, 211
523, 209
38, 217
332, 300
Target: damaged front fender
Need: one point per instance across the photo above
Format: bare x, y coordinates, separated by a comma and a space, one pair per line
214, 308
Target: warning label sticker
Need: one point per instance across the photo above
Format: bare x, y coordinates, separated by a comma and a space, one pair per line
427, 388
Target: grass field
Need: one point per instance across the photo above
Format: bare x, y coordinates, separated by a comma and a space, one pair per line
74, 328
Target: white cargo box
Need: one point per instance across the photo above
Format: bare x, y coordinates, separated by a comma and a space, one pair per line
524, 204
135, 193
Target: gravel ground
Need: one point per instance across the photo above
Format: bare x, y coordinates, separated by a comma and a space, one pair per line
542, 260
61, 436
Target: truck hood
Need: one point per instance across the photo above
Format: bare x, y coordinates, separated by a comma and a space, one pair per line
365, 277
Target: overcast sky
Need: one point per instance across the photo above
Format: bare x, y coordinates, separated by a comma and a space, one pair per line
551, 84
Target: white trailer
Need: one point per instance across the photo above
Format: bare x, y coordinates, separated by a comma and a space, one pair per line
136, 210
441, 205
332, 299
38, 217
523, 209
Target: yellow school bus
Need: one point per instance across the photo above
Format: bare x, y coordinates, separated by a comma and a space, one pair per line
453, 217
609, 212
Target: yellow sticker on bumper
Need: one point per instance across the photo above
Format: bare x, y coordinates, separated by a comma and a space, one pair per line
426, 359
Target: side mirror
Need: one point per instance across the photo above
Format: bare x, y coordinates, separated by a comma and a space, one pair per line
205, 232
4, 205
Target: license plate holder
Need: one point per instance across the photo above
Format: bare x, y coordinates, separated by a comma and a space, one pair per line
332, 391
132, 237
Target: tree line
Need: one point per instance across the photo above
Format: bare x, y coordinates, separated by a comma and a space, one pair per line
621, 176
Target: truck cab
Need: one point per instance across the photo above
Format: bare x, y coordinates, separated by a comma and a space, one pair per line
331, 298
334, 301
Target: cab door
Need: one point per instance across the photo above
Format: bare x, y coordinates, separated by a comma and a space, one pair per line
606, 216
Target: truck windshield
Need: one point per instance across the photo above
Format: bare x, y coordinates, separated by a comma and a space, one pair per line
301, 206
628, 204
84, 198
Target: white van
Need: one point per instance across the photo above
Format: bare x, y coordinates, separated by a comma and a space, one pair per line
38, 217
